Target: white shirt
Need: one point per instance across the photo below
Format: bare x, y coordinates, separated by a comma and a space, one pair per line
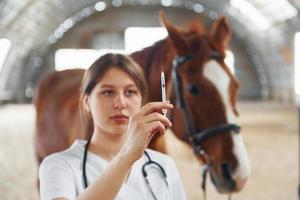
60, 175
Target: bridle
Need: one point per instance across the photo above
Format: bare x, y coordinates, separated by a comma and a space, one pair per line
196, 137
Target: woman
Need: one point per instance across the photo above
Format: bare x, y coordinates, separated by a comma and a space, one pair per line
111, 164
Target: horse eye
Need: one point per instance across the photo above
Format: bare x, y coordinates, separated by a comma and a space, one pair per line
194, 90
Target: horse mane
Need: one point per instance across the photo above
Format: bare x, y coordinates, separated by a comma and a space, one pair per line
153, 53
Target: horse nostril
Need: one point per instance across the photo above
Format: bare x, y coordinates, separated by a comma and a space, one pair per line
226, 172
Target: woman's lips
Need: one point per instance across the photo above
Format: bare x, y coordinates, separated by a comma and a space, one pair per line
120, 118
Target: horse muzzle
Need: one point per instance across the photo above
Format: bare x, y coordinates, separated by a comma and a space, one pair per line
224, 180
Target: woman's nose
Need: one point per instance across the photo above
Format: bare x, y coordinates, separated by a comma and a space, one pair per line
119, 101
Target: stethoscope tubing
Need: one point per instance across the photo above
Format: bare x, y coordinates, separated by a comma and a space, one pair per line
144, 171
145, 174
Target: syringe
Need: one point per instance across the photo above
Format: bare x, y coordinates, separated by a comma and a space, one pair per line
163, 90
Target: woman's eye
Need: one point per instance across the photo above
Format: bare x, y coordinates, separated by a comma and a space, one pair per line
130, 92
107, 92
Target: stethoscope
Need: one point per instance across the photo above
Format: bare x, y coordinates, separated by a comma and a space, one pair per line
145, 175
144, 171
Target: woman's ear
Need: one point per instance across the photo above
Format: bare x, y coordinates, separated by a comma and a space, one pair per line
86, 103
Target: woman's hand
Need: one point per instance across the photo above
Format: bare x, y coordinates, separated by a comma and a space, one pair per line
142, 126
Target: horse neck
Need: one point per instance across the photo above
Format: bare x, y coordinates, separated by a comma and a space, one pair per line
153, 59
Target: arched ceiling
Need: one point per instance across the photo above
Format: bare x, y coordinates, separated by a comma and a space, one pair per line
34, 26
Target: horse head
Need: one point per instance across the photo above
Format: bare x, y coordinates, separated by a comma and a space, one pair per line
205, 115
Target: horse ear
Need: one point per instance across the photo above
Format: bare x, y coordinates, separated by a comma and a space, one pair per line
221, 32
176, 36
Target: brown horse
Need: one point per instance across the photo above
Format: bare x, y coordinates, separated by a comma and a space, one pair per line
203, 85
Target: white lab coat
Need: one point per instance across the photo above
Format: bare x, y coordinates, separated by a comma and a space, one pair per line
61, 176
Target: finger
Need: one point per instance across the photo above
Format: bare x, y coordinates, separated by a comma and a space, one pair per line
155, 116
155, 107
155, 127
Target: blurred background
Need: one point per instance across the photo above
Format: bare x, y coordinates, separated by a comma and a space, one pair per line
38, 36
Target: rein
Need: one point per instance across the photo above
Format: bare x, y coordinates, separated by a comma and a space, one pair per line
196, 137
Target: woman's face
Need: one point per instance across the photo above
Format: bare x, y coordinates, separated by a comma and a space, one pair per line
113, 100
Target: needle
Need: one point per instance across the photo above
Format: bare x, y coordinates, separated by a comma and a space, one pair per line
163, 90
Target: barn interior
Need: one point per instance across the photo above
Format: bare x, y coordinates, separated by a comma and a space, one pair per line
37, 37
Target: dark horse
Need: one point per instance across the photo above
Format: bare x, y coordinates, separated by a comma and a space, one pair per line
203, 85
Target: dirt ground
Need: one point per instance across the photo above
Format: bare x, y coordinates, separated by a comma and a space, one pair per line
270, 132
